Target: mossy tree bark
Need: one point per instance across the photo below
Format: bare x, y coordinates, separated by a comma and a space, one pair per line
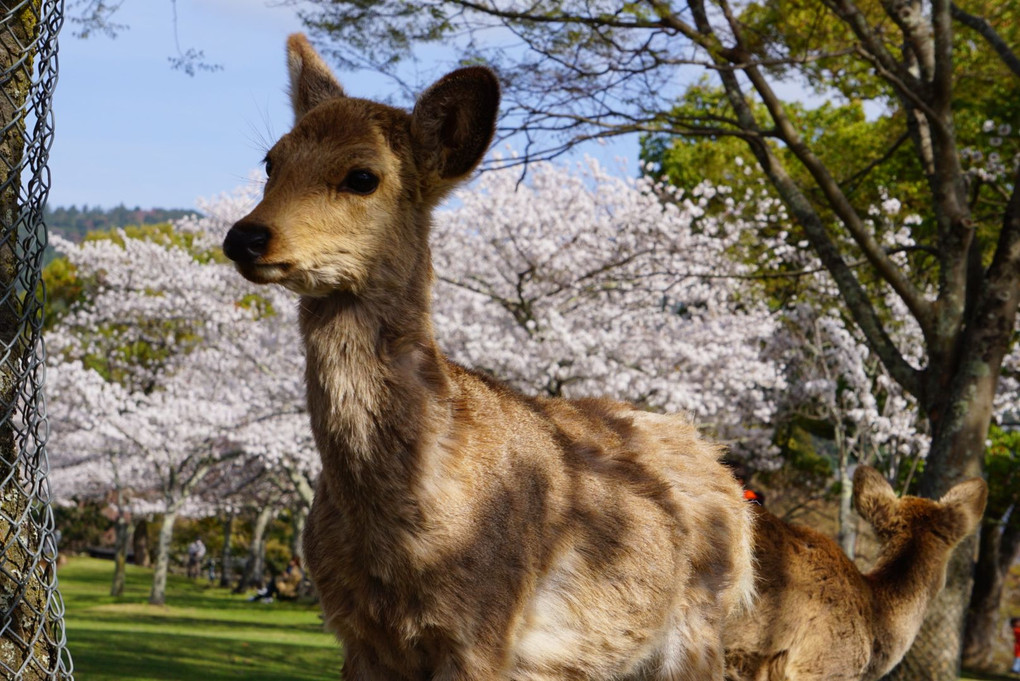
1000, 548
157, 596
24, 611
124, 532
254, 567
140, 543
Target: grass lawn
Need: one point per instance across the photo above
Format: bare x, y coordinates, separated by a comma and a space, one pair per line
203, 633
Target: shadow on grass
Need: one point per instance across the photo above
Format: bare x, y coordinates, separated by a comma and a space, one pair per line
141, 656
87, 584
203, 633
270, 624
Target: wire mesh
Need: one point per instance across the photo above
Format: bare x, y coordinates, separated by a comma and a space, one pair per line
32, 637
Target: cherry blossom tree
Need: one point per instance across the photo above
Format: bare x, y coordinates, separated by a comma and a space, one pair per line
834, 379
576, 70
579, 282
87, 468
179, 384
180, 353
172, 375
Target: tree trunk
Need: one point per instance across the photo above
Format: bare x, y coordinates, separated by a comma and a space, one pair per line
1000, 547
847, 533
225, 562
254, 567
166, 533
258, 554
25, 574
959, 427
140, 540
296, 545
124, 530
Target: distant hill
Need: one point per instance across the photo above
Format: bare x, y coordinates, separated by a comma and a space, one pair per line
74, 223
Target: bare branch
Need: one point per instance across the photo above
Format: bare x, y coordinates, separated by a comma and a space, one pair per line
942, 42
917, 48
95, 15
873, 44
910, 94
886, 268
851, 182
985, 30
853, 294
543, 18
189, 61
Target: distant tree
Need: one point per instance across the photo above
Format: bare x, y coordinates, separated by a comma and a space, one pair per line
160, 364
144, 373
75, 224
836, 381
582, 283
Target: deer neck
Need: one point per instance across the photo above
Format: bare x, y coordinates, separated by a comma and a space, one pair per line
907, 576
374, 380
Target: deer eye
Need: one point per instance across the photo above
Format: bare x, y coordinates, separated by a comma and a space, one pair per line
360, 181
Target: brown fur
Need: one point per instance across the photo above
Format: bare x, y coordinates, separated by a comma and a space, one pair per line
461, 530
818, 618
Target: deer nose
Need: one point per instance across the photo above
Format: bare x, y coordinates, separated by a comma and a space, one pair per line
246, 242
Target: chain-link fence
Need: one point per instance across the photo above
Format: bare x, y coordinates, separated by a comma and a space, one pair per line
32, 642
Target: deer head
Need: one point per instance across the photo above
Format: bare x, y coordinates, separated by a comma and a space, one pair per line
350, 188
916, 527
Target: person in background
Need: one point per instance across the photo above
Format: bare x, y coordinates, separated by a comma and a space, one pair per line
196, 552
211, 569
285, 586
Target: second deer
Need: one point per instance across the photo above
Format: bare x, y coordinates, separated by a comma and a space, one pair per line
817, 618
460, 530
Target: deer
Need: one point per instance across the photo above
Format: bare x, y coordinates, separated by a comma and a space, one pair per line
460, 529
817, 617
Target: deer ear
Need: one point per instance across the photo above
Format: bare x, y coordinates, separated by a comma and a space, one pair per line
875, 499
453, 122
311, 81
965, 504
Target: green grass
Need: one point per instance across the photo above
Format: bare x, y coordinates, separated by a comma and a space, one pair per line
203, 633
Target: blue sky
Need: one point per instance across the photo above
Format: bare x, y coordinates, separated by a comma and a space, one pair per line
129, 129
